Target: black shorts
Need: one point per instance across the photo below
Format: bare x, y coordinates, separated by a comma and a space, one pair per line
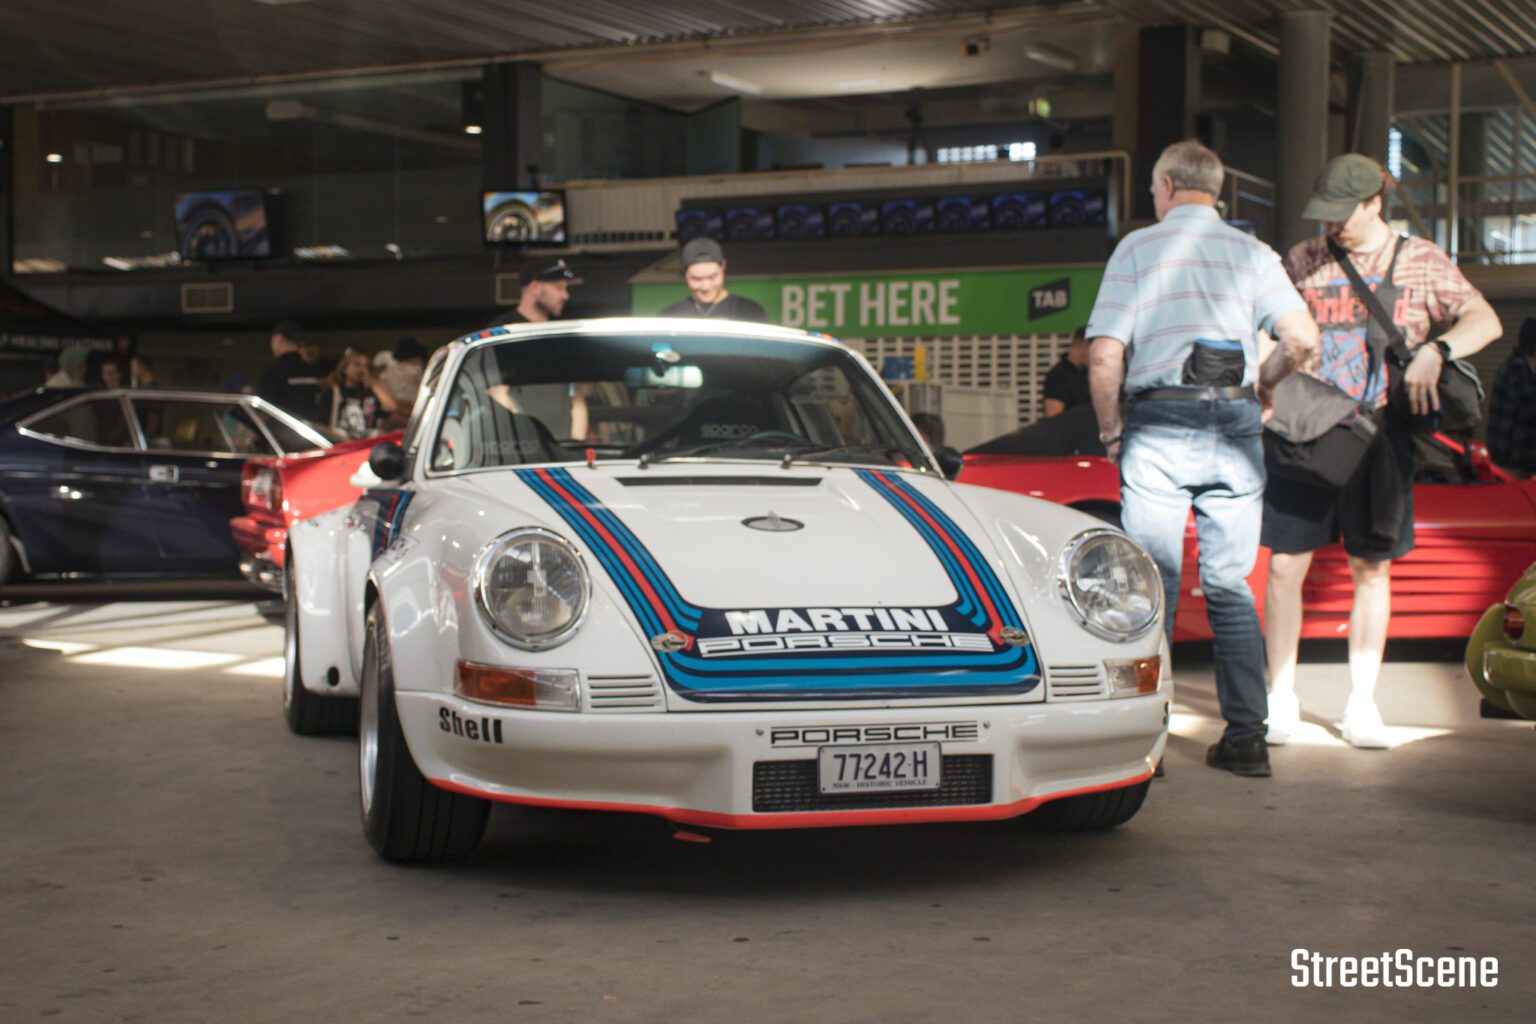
1373, 513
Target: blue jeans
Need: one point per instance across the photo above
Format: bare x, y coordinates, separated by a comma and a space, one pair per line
1209, 455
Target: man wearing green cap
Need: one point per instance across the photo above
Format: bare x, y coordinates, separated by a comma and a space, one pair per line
71, 371
1417, 285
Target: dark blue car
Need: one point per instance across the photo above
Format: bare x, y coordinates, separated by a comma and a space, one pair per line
130, 482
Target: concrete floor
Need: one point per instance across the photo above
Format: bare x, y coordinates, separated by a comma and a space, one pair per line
169, 853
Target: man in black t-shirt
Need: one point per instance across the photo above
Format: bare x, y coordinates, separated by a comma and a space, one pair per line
704, 272
546, 288
1067, 383
289, 382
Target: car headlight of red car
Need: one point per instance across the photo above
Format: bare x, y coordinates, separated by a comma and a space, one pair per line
1111, 584
532, 588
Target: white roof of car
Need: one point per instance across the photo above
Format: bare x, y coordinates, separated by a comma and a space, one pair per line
647, 325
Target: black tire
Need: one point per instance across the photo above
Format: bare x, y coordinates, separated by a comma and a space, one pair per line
406, 819
308, 714
8, 557
1093, 812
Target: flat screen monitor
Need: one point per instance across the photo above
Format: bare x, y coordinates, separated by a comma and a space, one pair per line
1013, 210
801, 220
1076, 207
699, 222
749, 224
962, 213
851, 217
222, 224
524, 218
907, 216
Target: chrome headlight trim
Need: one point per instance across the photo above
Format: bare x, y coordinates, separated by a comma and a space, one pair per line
1064, 585
487, 558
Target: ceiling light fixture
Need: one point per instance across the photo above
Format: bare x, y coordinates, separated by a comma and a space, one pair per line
733, 83
55, 158
472, 129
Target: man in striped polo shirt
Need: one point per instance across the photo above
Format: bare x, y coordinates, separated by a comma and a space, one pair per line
1176, 324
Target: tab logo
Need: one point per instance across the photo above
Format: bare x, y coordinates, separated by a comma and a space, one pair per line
1055, 297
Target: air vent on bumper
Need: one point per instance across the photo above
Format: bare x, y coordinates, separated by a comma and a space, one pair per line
1073, 682
623, 693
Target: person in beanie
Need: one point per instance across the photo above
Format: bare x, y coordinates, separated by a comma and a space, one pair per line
71, 371
704, 273
1512, 412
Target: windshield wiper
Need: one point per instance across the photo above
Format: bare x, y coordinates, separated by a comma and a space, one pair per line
822, 451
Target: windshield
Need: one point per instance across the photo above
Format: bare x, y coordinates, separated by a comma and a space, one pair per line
665, 396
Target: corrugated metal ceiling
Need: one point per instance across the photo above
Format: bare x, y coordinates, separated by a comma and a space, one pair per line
54, 46
1414, 31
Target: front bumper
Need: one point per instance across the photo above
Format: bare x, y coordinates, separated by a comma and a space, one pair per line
702, 768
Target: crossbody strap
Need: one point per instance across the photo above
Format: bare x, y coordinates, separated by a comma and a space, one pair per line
1396, 341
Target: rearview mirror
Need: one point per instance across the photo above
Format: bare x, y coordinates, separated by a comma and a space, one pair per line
664, 377
951, 462
387, 460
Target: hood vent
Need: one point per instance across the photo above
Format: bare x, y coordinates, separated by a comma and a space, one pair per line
719, 481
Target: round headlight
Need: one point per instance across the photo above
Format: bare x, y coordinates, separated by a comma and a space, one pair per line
532, 588
1112, 585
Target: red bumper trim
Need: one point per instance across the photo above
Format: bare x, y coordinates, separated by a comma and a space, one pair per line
809, 819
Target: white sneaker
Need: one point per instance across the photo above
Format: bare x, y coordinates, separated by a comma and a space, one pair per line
1362, 727
1284, 718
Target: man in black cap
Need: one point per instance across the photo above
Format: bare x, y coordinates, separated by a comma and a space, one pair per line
546, 289
289, 382
704, 272
1512, 412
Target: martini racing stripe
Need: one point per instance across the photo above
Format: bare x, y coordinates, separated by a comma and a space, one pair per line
978, 575
804, 653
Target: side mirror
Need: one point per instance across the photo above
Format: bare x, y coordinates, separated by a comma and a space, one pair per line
951, 462
387, 460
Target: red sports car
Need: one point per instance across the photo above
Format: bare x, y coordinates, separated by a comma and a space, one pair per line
278, 492
1475, 527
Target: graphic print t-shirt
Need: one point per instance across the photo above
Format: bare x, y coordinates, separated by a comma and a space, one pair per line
1426, 289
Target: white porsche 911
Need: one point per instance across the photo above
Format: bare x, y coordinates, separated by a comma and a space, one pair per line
709, 571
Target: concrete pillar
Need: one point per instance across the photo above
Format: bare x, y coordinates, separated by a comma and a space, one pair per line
1168, 76
1301, 120
1371, 76
512, 137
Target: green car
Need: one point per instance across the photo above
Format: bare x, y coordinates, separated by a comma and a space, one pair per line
1501, 654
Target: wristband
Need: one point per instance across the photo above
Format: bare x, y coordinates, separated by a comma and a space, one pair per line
1445, 349
1107, 441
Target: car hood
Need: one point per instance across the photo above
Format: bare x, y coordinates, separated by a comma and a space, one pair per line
832, 574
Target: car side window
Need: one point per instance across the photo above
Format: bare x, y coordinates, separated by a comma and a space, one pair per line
288, 439
96, 421
180, 426
241, 431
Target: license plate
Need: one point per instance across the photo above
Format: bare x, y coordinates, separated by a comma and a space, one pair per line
878, 767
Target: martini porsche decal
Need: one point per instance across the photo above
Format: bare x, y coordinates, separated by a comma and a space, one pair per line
750, 653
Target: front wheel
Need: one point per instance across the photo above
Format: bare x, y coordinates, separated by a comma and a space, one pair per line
406, 818
308, 714
1092, 812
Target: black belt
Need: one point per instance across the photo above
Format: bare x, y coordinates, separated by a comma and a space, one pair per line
1194, 394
